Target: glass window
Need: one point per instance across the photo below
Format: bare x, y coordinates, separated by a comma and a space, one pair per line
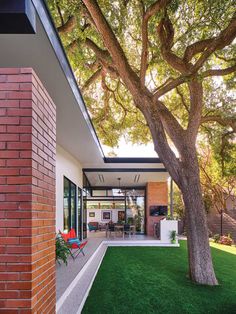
79, 210
99, 192
109, 193
69, 205
73, 206
135, 212
84, 219
66, 204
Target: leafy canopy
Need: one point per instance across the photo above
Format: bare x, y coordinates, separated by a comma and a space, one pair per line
109, 102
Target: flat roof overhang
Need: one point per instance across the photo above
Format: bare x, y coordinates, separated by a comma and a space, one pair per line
44, 53
133, 172
17, 17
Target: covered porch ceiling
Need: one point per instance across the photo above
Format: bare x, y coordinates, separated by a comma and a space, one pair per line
133, 172
128, 179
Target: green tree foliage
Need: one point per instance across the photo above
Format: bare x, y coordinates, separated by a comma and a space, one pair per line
107, 98
217, 155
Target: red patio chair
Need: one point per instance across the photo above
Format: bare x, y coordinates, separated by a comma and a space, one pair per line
73, 243
80, 249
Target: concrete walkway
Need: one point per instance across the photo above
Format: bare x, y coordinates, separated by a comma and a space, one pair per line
66, 274
72, 301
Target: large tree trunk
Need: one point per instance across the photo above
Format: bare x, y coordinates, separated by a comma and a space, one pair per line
200, 262
185, 173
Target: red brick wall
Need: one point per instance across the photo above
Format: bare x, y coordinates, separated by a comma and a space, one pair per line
157, 194
27, 194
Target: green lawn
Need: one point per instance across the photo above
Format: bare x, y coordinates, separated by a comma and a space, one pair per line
154, 280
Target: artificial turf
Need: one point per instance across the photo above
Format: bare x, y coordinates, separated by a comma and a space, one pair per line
154, 280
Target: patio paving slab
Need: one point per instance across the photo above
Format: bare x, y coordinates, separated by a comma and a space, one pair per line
66, 274
73, 303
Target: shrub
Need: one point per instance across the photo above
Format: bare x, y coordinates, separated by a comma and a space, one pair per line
226, 240
62, 251
173, 235
216, 238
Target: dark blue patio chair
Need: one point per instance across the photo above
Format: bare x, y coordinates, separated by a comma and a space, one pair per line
110, 229
127, 229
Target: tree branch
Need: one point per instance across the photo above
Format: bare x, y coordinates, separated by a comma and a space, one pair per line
219, 72
182, 99
206, 47
68, 25
171, 125
91, 80
169, 86
165, 32
100, 53
195, 112
60, 14
224, 121
113, 46
144, 54
104, 58
161, 144
224, 39
153, 9
196, 48
72, 46
115, 98
225, 59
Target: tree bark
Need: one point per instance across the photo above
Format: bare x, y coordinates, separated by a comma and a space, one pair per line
200, 262
185, 173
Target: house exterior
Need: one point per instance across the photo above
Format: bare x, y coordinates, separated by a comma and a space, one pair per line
51, 161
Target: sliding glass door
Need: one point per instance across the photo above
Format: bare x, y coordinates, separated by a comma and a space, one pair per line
66, 205
79, 213
135, 209
72, 207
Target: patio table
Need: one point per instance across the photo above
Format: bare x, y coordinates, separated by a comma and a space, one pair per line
119, 228
133, 229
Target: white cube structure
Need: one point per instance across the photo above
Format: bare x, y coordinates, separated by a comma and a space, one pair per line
166, 227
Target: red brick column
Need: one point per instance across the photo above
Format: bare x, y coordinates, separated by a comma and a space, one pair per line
157, 194
27, 194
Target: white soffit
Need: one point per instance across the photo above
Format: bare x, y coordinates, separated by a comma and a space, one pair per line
35, 51
103, 165
128, 179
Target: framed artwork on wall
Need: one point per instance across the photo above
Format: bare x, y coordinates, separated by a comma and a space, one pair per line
106, 215
121, 215
92, 214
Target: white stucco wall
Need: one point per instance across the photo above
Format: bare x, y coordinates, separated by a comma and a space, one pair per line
98, 215
68, 166
166, 227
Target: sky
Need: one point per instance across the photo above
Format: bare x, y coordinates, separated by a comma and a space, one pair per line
127, 149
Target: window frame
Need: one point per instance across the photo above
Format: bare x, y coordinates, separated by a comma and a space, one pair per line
70, 183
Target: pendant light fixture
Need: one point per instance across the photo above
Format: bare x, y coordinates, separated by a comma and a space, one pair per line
119, 192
